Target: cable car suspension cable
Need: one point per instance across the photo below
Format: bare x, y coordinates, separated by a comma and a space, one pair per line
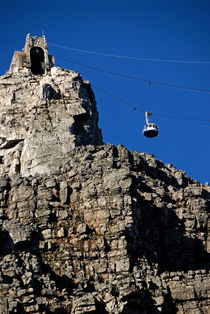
154, 114
149, 82
130, 58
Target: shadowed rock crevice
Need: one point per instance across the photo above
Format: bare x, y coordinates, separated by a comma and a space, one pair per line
48, 92
159, 235
6, 243
11, 143
139, 302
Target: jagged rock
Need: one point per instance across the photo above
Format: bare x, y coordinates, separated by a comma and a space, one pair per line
38, 134
109, 245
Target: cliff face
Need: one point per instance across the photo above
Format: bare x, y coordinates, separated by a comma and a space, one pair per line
43, 117
87, 227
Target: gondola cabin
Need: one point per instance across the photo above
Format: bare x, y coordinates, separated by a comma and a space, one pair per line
150, 129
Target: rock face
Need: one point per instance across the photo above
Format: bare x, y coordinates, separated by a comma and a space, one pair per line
43, 117
87, 227
112, 232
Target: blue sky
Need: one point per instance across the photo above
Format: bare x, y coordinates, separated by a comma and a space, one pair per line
161, 29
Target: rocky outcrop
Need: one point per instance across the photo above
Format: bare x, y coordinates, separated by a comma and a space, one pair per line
113, 232
87, 227
43, 117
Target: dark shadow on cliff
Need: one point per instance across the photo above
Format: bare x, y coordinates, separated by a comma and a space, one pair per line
6, 243
19, 309
141, 302
100, 307
45, 310
159, 236
168, 306
62, 283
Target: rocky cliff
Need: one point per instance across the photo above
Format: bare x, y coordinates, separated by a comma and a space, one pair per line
88, 227
43, 117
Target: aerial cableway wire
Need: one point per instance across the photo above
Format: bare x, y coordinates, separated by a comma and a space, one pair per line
135, 107
130, 58
118, 98
129, 77
166, 117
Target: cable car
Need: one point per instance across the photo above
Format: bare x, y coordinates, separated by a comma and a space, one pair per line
150, 129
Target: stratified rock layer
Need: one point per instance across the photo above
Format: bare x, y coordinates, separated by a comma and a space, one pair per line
86, 227
113, 232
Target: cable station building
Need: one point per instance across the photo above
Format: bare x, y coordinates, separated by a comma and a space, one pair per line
34, 56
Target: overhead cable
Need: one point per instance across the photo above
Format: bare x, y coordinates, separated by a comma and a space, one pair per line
129, 77
118, 98
130, 58
153, 113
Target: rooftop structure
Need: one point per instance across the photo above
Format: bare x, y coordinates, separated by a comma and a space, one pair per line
34, 56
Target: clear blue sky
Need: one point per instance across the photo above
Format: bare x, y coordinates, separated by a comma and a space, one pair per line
154, 29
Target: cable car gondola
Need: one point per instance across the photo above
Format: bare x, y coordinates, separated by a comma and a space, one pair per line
150, 129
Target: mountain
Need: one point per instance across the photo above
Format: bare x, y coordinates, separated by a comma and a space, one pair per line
88, 227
